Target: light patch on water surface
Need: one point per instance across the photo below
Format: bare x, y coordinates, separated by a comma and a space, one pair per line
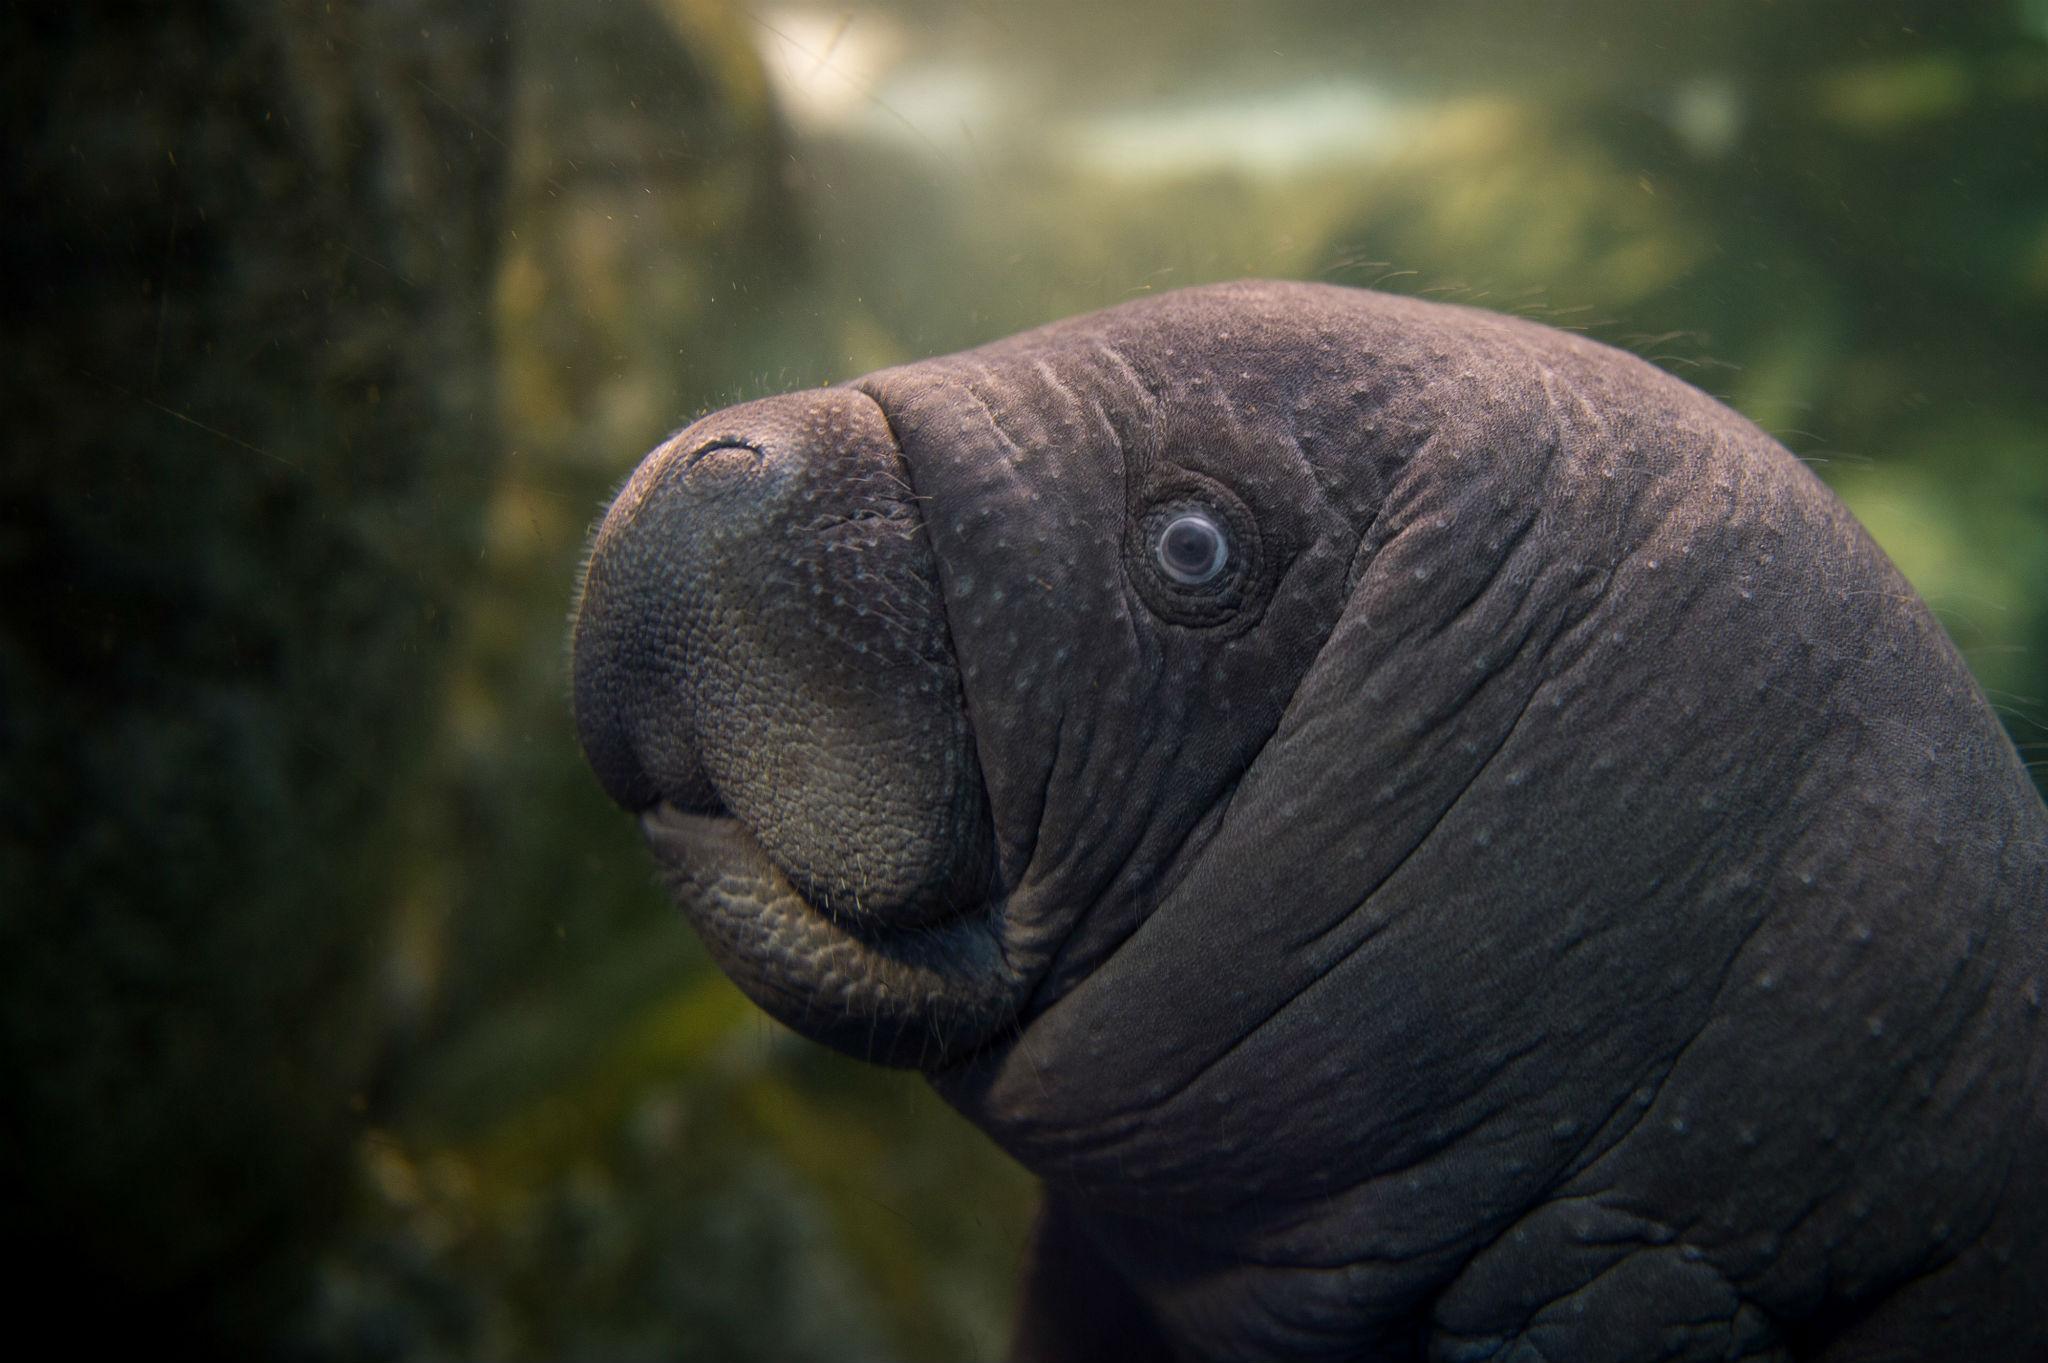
1707, 114
1279, 132
863, 76
826, 65
1882, 97
867, 77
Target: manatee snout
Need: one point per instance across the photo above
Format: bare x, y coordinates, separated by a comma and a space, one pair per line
762, 672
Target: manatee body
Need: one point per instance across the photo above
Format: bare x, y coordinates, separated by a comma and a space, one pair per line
1433, 838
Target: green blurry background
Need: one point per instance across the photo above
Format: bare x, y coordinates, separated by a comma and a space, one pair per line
340, 1016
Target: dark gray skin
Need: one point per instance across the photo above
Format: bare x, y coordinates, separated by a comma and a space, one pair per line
1555, 893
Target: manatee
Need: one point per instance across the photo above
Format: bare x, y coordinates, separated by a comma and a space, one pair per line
1431, 837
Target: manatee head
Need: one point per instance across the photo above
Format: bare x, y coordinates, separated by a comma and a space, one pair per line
1354, 793
922, 686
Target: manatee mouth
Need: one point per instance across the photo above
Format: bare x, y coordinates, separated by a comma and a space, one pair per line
764, 674
917, 998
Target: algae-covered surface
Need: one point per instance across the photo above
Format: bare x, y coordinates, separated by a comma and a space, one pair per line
341, 1015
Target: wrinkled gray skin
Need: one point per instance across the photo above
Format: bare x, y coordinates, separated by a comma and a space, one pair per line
1556, 893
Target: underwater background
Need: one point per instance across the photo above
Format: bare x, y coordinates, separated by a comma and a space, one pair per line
340, 1015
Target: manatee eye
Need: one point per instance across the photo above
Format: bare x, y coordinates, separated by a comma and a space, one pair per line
1192, 549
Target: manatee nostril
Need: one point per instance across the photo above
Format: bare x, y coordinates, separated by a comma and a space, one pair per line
722, 458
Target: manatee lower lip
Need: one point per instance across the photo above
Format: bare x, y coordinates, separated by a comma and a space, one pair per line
677, 834
716, 842
916, 997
